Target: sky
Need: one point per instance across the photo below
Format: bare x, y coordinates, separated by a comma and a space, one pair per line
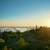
25, 12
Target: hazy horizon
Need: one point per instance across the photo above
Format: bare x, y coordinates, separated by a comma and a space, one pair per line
25, 12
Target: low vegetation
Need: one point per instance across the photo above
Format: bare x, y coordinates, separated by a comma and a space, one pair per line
34, 39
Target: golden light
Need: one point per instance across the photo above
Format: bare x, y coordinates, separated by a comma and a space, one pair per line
47, 22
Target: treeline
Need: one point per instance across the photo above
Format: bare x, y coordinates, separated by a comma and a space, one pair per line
34, 39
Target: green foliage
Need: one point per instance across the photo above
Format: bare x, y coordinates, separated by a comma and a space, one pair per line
22, 43
38, 39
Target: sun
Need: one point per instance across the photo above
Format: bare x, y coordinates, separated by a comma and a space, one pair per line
48, 23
